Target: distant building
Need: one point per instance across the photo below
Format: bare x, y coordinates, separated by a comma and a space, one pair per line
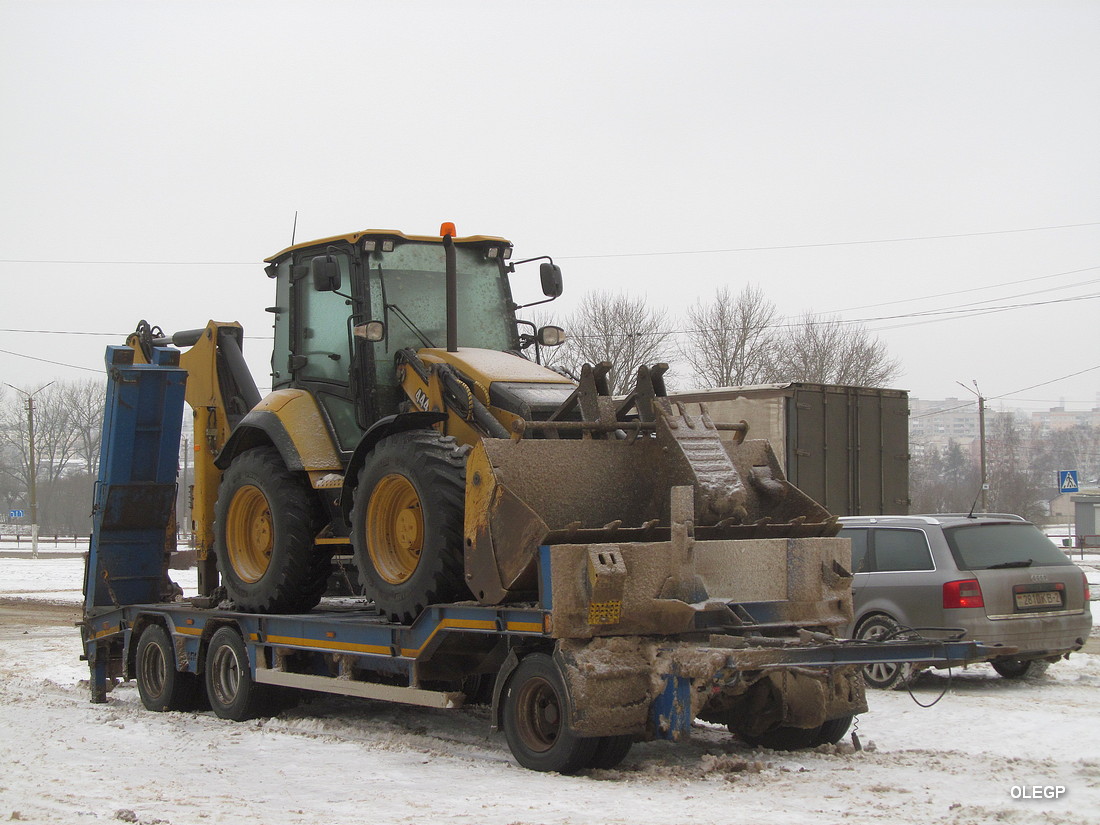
935, 423
1059, 418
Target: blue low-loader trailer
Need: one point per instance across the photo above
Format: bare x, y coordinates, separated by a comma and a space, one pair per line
623, 641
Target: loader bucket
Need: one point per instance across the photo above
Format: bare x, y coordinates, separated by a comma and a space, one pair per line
611, 493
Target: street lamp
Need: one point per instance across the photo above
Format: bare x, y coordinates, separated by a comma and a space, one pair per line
981, 433
32, 464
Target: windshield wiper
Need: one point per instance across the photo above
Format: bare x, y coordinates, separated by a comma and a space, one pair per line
1006, 564
407, 321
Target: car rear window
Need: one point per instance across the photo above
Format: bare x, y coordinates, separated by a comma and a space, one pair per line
982, 546
897, 550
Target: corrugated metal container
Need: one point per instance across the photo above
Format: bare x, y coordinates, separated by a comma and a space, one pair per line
845, 447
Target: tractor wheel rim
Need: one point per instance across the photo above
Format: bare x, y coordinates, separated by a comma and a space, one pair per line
249, 533
395, 528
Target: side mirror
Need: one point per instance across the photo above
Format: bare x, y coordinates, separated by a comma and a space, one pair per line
551, 279
326, 273
370, 331
550, 336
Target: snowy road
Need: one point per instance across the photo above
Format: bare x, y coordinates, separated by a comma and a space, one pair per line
968, 759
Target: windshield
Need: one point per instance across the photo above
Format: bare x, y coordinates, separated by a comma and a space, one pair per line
410, 283
982, 546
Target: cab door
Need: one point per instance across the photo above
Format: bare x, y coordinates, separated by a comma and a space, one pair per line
321, 359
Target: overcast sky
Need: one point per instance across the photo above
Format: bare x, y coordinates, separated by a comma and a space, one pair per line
874, 159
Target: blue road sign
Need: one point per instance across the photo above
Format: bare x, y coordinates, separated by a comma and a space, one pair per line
16, 514
1067, 481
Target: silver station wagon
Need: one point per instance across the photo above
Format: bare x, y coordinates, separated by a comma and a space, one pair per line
997, 579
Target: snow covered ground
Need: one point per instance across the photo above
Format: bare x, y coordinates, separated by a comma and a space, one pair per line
977, 756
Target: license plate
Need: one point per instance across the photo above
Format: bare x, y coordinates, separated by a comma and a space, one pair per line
1045, 598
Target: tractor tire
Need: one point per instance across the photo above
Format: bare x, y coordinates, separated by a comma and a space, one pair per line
265, 521
536, 720
160, 686
406, 523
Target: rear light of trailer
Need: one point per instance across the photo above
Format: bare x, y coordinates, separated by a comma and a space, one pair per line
965, 593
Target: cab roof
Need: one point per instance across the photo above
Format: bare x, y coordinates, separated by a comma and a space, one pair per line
354, 237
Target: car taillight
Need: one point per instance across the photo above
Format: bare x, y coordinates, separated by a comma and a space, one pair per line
1088, 593
966, 593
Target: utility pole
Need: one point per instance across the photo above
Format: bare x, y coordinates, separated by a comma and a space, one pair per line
981, 436
32, 465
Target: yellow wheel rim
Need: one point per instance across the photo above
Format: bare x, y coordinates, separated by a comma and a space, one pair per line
249, 534
395, 528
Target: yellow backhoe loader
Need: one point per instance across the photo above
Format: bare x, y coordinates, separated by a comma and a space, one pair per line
407, 419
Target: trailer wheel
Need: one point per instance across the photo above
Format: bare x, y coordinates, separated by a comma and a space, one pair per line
536, 714
407, 522
229, 685
610, 751
1010, 668
265, 520
884, 675
160, 686
784, 738
833, 731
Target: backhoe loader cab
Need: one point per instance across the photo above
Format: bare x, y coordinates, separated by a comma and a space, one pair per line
329, 291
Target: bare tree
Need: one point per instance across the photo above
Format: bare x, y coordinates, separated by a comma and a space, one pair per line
628, 332
552, 357
1013, 487
946, 482
68, 420
84, 404
1075, 448
830, 351
731, 341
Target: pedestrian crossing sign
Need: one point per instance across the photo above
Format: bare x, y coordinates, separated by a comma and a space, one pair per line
1067, 481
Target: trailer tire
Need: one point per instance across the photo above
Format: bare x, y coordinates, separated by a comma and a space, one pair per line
407, 522
232, 692
1014, 668
160, 685
610, 751
833, 731
784, 738
536, 719
265, 521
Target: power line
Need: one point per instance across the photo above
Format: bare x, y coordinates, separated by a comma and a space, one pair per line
825, 244
1008, 394
962, 291
132, 263
48, 361
942, 412
966, 311
962, 313
615, 254
121, 336
1051, 381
